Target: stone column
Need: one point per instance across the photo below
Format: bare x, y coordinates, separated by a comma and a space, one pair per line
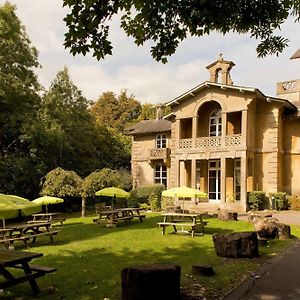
244, 180
224, 129
193, 175
223, 180
182, 177
244, 127
178, 133
194, 131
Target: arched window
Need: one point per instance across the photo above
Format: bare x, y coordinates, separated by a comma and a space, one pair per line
215, 123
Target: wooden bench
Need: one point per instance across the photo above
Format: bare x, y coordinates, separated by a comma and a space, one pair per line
35, 235
9, 241
141, 217
192, 226
38, 268
125, 218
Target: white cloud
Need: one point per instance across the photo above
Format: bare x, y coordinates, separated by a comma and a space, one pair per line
132, 67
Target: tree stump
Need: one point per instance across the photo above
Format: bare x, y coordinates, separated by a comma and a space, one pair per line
237, 244
227, 216
268, 228
159, 282
202, 270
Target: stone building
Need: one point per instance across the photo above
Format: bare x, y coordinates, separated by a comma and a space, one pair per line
223, 139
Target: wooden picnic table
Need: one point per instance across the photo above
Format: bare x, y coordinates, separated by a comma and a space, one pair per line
120, 214
25, 232
48, 217
20, 260
192, 221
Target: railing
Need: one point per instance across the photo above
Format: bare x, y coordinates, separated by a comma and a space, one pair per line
185, 143
208, 142
234, 140
159, 153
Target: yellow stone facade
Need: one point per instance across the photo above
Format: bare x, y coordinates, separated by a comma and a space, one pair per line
225, 140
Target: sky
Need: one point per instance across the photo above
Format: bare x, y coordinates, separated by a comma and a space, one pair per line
132, 67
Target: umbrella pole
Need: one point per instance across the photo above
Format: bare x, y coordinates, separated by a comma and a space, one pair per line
3, 223
46, 208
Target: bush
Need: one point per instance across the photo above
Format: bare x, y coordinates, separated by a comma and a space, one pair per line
256, 200
294, 202
280, 201
149, 195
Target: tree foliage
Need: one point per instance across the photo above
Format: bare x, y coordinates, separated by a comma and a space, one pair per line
116, 111
169, 22
61, 183
19, 101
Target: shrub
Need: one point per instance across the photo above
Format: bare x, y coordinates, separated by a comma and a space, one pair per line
149, 195
280, 201
294, 202
256, 200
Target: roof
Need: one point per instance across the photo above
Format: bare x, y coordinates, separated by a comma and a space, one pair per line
296, 54
149, 126
178, 100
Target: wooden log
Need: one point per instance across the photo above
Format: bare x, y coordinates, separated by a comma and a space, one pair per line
158, 281
202, 270
236, 244
228, 216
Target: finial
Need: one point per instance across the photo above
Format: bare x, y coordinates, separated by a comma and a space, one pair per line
221, 56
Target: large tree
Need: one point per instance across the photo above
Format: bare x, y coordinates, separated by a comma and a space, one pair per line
116, 111
169, 22
19, 102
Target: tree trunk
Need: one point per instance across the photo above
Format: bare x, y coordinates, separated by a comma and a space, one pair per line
83, 207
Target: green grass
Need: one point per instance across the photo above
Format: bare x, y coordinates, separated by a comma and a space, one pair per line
89, 258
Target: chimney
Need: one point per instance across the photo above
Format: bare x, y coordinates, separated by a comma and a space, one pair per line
159, 113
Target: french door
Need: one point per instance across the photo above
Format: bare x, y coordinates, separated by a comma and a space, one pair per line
214, 180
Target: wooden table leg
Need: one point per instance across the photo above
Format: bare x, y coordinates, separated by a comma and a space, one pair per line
32, 282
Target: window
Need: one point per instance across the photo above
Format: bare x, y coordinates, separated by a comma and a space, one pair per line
214, 180
161, 141
237, 178
215, 123
160, 174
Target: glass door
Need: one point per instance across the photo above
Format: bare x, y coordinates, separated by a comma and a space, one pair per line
214, 180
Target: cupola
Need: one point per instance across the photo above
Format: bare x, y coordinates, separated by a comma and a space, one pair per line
220, 71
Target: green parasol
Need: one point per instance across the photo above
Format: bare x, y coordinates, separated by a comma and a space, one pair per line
113, 192
11, 206
46, 200
183, 192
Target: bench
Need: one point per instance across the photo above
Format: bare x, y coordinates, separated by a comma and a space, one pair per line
125, 218
141, 217
38, 268
35, 235
9, 241
194, 227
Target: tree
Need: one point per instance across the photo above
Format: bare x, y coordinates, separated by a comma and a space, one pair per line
169, 22
19, 101
101, 179
116, 111
149, 111
67, 136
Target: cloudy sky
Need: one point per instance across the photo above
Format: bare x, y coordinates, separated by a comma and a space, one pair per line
132, 67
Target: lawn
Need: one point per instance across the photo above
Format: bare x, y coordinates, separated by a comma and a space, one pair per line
89, 258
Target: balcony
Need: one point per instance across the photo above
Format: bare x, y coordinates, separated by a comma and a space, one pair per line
161, 153
206, 143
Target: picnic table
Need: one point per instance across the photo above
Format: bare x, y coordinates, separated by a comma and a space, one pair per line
192, 221
48, 217
25, 232
11, 259
112, 217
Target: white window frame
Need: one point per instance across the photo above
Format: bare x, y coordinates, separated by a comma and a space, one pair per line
215, 120
161, 174
161, 141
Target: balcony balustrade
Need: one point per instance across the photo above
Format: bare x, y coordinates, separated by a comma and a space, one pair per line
231, 141
159, 153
